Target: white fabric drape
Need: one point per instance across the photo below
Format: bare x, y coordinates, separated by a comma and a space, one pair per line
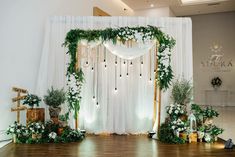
129, 110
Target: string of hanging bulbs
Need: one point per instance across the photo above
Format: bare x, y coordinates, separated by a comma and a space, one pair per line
99, 55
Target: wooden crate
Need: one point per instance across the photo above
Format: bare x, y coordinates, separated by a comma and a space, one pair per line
35, 115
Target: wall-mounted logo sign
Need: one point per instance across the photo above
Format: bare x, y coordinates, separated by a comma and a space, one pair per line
217, 60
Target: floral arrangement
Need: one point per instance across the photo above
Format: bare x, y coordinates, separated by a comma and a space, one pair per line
175, 110
54, 97
75, 81
36, 128
182, 92
32, 100
216, 82
215, 131
178, 125
16, 129
123, 34
209, 113
48, 133
206, 129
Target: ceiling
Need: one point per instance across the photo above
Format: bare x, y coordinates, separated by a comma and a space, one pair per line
207, 6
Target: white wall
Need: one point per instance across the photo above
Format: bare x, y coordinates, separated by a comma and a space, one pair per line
155, 12
22, 30
219, 29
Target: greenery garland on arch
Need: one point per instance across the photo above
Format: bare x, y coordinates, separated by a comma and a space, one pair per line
165, 43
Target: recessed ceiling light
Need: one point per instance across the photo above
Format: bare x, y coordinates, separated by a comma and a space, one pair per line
189, 2
151, 5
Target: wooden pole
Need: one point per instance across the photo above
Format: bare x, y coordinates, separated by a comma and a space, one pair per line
159, 108
77, 67
155, 92
18, 105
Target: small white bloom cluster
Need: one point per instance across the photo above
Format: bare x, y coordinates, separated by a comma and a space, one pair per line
207, 137
16, 128
178, 125
52, 135
175, 109
74, 88
36, 128
138, 36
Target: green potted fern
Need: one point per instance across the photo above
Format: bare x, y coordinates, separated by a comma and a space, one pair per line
54, 99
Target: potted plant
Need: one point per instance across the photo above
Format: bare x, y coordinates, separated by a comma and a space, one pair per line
54, 99
16, 130
208, 115
34, 114
36, 129
215, 131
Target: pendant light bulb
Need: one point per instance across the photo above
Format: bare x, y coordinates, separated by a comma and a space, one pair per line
92, 68
120, 76
140, 75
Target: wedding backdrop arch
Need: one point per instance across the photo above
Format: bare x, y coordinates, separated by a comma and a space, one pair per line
118, 91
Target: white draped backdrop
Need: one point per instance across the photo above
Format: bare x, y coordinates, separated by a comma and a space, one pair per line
130, 108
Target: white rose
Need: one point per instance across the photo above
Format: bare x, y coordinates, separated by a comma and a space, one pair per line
176, 111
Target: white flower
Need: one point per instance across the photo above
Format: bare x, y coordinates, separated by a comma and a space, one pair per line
18, 130
173, 127
11, 130
176, 111
52, 135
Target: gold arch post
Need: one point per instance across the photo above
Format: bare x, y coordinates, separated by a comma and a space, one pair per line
77, 66
157, 95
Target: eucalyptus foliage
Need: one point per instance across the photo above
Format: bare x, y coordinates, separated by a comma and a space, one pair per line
55, 97
182, 92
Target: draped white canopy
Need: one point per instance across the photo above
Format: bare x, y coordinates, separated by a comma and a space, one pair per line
130, 108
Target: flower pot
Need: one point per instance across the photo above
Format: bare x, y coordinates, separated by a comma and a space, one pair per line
54, 112
192, 137
35, 115
184, 136
184, 117
60, 131
14, 138
200, 135
36, 136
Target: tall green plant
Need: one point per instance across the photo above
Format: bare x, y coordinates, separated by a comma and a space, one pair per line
182, 92
54, 97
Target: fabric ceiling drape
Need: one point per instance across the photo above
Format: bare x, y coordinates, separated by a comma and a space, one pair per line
130, 109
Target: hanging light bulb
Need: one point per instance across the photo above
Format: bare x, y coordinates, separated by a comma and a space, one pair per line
124, 62
93, 98
126, 74
131, 63
92, 68
97, 103
104, 60
150, 80
154, 71
86, 62
120, 76
142, 62
140, 75
115, 63
115, 89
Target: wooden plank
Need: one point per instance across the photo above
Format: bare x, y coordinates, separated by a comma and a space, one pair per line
21, 90
19, 98
21, 108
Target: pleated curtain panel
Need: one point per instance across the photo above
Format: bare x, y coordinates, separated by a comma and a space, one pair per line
118, 93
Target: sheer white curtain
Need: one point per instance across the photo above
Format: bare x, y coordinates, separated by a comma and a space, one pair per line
130, 109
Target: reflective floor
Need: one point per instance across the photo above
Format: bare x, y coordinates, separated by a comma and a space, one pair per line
117, 146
